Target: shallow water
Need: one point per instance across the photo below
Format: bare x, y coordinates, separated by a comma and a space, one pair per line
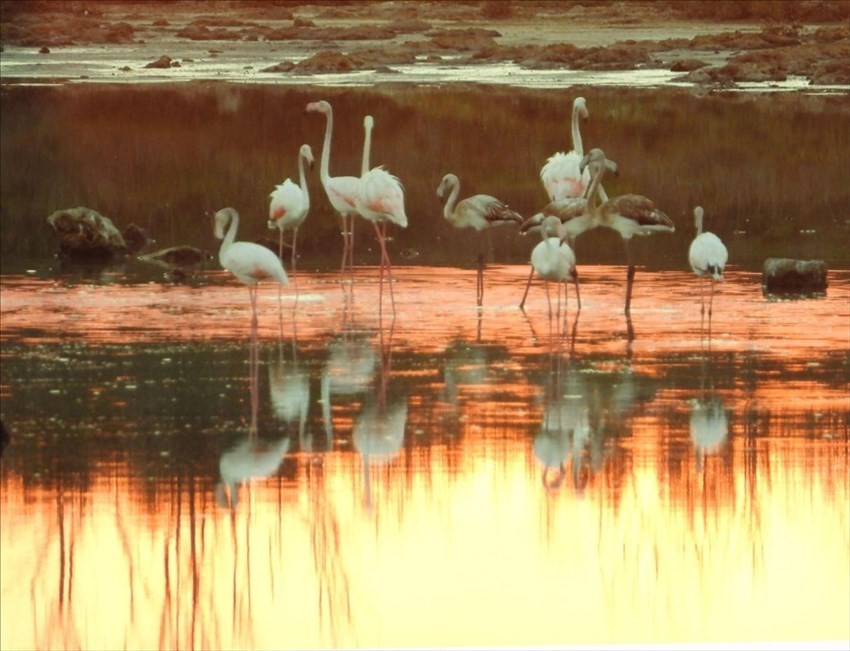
448, 477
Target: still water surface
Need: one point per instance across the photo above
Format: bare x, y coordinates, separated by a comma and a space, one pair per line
449, 477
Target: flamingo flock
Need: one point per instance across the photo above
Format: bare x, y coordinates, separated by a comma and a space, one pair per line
573, 182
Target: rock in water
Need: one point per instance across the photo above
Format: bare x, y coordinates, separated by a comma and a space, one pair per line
85, 234
787, 276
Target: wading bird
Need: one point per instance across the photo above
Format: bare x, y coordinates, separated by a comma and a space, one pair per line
341, 190
480, 211
574, 214
249, 262
628, 214
553, 259
290, 204
561, 175
708, 256
380, 199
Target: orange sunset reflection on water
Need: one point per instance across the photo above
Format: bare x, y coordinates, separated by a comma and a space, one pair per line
451, 477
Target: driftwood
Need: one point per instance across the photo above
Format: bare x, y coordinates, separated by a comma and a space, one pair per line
86, 235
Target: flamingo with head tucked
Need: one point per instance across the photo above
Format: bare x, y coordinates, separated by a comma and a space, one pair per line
341, 190
708, 256
290, 204
380, 199
553, 259
249, 262
561, 175
480, 211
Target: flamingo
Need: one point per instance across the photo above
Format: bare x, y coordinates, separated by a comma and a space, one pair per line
480, 212
707, 256
553, 259
561, 175
380, 199
249, 262
574, 213
290, 204
341, 190
628, 214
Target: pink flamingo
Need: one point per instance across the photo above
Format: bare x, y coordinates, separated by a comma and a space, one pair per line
249, 262
573, 213
561, 175
628, 214
380, 199
480, 211
290, 204
341, 190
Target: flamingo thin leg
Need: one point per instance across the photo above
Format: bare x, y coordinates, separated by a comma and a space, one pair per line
630, 278
479, 288
527, 287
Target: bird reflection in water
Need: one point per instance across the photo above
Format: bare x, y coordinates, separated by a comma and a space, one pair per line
565, 427
349, 371
709, 426
250, 458
379, 427
289, 389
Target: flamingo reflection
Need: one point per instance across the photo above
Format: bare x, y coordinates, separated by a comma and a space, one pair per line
250, 458
709, 427
349, 370
289, 390
565, 429
379, 427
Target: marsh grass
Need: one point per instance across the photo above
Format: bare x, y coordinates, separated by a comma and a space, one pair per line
166, 156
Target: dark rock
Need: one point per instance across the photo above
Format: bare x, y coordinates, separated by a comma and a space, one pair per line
178, 257
85, 234
687, 65
44, 50
788, 276
164, 61
136, 238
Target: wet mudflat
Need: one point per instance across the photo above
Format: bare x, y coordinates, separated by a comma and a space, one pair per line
447, 477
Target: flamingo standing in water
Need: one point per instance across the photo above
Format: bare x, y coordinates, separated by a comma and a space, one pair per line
553, 259
249, 262
290, 204
480, 212
708, 256
341, 190
561, 175
574, 214
380, 199
628, 214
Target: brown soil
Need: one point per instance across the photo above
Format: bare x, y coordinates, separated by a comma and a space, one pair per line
712, 42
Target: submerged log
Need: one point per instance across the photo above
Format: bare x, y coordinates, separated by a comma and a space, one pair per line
86, 235
788, 276
177, 261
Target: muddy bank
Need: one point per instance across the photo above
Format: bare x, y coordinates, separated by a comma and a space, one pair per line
712, 43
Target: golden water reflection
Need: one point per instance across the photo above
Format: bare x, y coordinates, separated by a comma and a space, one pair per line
454, 479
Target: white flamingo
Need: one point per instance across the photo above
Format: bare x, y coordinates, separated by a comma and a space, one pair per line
380, 199
249, 262
480, 211
553, 259
290, 204
708, 256
561, 175
341, 190
628, 214
573, 212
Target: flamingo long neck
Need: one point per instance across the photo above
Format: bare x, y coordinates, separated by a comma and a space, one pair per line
230, 236
302, 177
578, 147
324, 170
593, 199
698, 222
367, 149
449, 208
